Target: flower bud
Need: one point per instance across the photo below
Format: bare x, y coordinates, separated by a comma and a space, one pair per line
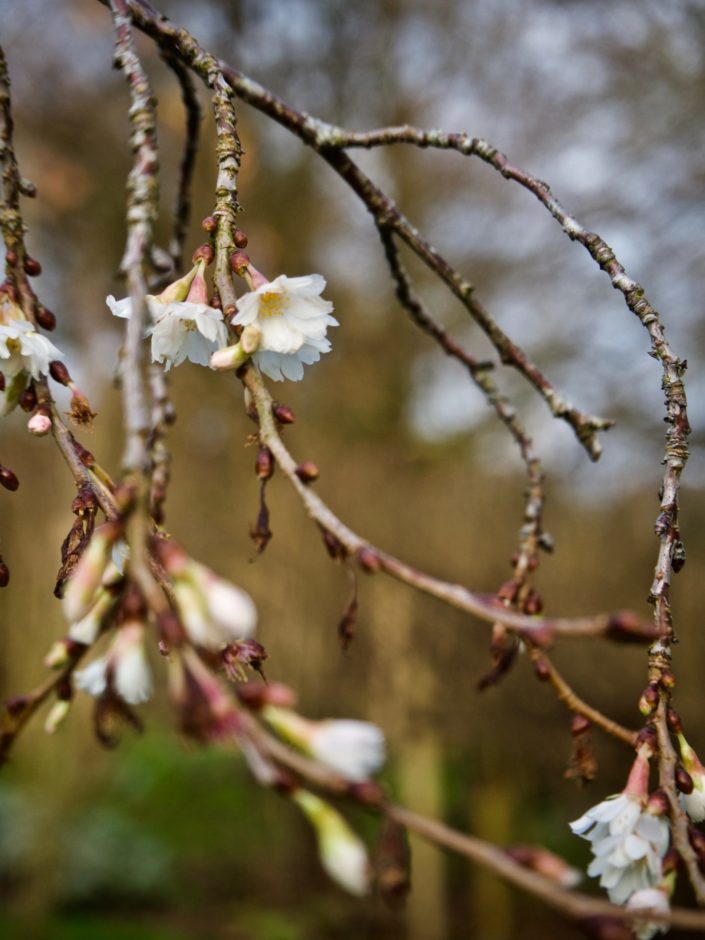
649, 699
203, 253
369, 560
59, 372
579, 724
57, 713
342, 853
2, 382
307, 471
673, 720
668, 680
240, 238
45, 318
255, 695
283, 414
4, 574
31, 266
542, 669
79, 595
209, 224
239, 262
28, 399
39, 424
626, 627
264, 464
8, 479
684, 781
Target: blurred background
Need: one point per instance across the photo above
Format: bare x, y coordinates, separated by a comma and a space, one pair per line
161, 841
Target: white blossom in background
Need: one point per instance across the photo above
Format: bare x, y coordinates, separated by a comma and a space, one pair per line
24, 353
183, 326
655, 899
213, 611
628, 836
342, 853
355, 749
292, 319
693, 803
127, 662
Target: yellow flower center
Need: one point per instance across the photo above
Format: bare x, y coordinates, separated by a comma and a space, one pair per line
190, 325
13, 345
272, 304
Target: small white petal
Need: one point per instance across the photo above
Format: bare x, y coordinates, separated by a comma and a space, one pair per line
93, 678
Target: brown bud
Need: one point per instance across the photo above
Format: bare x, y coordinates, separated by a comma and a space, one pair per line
533, 604
508, 591
668, 680
2, 382
283, 414
674, 721
626, 627
264, 464
203, 253
84, 455
579, 724
11, 257
28, 399
209, 224
542, 669
215, 300
8, 479
670, 862
31, 266
392, 864
647, 736
649, 699
658, 804
240, 238
367, 792
334, 546
256, 695
229, 311
307, 471
369, 560
59, 372
45, 318
4, 574
239, 262
684, 781
16, 704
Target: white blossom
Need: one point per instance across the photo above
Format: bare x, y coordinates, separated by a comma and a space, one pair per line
653, 899
355, 749
22, 349
342, 853
628, 843
183, 325
214, 612
126, 660
292, 319
181, 329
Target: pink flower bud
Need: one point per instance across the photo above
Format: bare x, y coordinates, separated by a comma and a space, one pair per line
39, 424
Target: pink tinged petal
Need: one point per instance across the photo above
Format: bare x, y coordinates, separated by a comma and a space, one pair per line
694, 804
653, 828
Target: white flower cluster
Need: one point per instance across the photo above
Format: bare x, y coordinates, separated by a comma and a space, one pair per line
628, 843
285, 323
24, 353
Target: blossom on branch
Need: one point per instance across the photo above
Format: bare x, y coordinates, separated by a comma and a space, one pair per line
292, 319
629, 835
184, 326
342, 853
24, 353
355, 749
693, 802
124, 668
